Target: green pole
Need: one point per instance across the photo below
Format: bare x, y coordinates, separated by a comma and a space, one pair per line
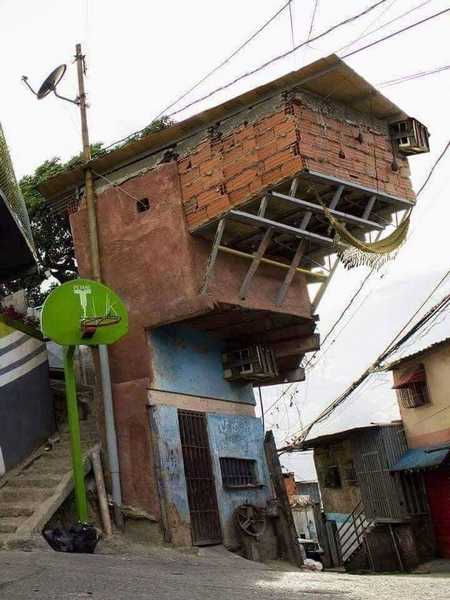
74, 428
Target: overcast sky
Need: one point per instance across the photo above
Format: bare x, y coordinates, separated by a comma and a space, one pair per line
142, 55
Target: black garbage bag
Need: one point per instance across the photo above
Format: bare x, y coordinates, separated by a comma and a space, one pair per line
80, 538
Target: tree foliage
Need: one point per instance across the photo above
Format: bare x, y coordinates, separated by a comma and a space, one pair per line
51, 230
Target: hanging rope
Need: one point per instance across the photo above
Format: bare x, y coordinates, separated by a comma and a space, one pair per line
353, 252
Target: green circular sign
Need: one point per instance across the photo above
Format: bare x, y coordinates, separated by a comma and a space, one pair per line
83, 312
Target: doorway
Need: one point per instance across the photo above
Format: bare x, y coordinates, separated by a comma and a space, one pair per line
200, 484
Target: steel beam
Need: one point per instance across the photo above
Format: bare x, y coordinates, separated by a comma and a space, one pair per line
249, 219
318, 208
388, 198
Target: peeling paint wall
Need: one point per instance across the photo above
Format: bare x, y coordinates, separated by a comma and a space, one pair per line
237, 437
187, 361
172, 479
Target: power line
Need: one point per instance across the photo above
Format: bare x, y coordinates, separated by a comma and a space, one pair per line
287, 53
367, 277
313, 18
360, 288
214, 70
364, 35
395, 343
412, 76
435, 164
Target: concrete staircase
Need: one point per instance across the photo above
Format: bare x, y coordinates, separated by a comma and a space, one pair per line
32, 493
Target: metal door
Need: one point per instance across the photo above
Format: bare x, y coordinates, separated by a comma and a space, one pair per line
438, 488
372, 478
201, 488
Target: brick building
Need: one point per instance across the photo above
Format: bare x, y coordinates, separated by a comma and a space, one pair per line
210, 230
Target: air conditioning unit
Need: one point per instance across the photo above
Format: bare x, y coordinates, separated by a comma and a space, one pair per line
252, 363
410, 136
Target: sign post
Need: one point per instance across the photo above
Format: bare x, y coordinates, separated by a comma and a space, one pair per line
81, 312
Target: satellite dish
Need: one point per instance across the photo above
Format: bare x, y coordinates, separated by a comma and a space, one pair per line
81, 311
51, 82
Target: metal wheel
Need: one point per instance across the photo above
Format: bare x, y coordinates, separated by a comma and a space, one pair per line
251, 519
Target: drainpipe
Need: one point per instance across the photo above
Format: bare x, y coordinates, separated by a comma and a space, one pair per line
94, 251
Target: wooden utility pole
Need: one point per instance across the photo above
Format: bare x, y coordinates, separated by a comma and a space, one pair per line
94, 252
286, 527
88, 181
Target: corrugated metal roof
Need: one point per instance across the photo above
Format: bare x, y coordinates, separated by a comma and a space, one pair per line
417, 459
334, 437
329, 77
433, 334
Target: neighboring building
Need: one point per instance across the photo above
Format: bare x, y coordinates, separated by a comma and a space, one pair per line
16, 241
26, 404
309, 488
376, 528
421, 370
210, 230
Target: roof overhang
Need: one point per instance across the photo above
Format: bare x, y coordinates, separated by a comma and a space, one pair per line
329, 77
419, 459
16, 255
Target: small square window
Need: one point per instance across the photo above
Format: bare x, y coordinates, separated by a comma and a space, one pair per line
333, 477
142, 205
238, 472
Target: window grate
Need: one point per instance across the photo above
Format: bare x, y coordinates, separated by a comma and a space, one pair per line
413, 395
238, 472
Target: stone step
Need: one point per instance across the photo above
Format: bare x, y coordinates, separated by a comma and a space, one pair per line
10, 524
28, 494
25, 480
13, 509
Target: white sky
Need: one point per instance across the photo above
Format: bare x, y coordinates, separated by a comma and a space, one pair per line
141, 55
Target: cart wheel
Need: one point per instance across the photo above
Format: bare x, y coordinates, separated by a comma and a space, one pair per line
251, 519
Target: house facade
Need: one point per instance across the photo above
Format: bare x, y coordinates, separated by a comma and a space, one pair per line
421, 380
26, 404
210, 230
376, 528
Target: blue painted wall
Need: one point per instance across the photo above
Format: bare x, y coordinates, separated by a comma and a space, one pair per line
186, 361
173, 479
237, 437
229, 436
338, 517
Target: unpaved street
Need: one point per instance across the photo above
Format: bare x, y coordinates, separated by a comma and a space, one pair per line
215, 574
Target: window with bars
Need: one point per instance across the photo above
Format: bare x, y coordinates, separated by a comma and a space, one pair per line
413, 395
238, 472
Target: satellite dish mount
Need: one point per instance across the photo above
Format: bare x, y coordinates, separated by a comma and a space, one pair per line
49, 85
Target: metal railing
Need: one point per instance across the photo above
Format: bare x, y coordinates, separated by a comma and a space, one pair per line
351, 532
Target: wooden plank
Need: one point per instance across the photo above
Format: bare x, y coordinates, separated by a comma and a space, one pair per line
243, 217
319, 209
292, 376
213, 256
286, 526
255, 263
309, 343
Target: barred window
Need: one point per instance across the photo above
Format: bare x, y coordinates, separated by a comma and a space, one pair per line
413, 395
238, 472
412, 387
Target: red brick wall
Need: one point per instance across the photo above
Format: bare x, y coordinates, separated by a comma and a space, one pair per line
157, 268
225, 171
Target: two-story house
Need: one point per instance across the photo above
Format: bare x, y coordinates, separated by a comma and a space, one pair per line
210, 230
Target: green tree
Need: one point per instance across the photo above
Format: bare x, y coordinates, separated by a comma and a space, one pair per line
51, 230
